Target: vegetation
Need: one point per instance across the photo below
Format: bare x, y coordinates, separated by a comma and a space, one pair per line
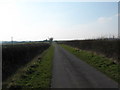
37, 73
17, 55
100, 62
107, 47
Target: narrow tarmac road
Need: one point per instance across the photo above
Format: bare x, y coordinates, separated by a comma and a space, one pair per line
71, 72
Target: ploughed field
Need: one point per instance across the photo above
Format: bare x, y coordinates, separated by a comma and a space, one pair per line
108, 48
15, 56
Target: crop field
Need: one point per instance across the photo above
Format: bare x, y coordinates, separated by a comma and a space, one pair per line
15, 56
108, 48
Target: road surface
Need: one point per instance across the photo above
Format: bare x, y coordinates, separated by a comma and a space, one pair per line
71, 72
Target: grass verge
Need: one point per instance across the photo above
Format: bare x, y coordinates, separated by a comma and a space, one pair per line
100, 62
37, 74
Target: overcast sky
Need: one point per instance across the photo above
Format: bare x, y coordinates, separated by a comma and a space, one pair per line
34, 20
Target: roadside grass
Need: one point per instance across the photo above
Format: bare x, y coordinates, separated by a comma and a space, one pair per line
100, 62
36, 74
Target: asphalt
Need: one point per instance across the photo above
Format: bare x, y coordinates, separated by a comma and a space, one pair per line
71, 72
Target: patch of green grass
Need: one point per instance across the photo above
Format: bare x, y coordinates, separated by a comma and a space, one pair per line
100, 62
35, 75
